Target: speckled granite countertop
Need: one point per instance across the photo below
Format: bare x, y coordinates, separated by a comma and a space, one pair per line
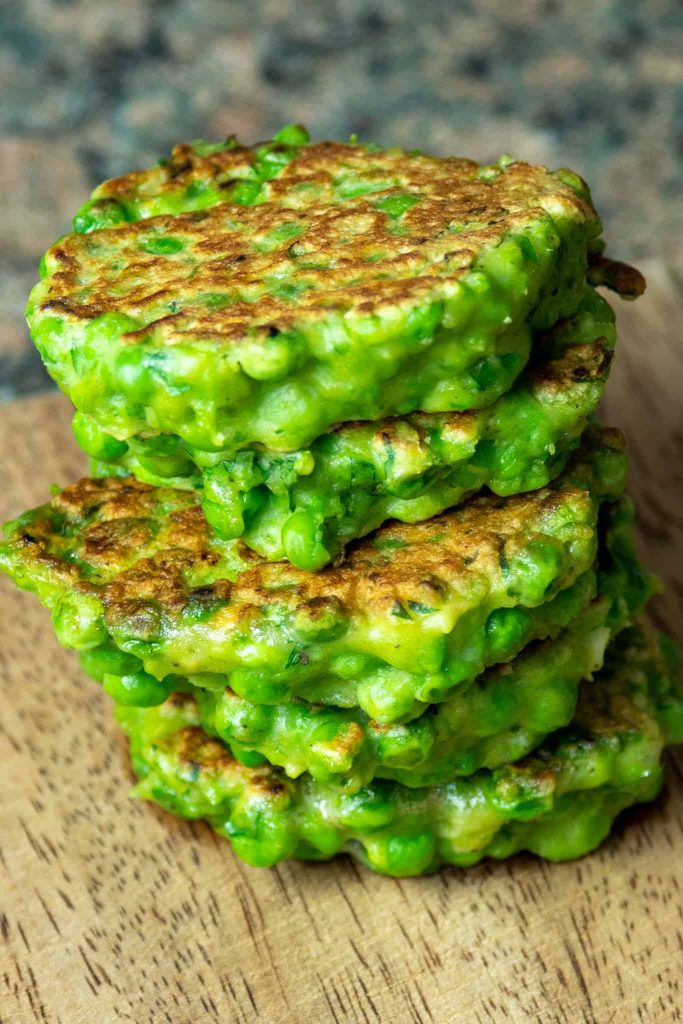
89, 89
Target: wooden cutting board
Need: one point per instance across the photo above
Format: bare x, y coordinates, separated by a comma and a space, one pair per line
111, 910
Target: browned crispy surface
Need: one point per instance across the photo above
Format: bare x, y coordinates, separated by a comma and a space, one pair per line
184, 168
197, 754
341, 253
577, 364
148, 552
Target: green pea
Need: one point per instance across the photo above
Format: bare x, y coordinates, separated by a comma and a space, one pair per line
269, 358
103, 661
167, 465
554, 705
406, 746
302, 542
137, 689
507, 629
261, 850
94, 441
47, 335
368, 809
403, 855
163, 246
537, 567
257, 686
388, 694
223, 503
278, 236
244, 193
78, 622
395, 206
226, 520
351, 186
133, 374
241, 720
110, 326
99, 213
322, 841
349, 665
292, 135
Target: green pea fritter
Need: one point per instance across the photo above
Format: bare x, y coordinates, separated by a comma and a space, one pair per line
559, 802
500, 717
305, 506
415, 612
234, 296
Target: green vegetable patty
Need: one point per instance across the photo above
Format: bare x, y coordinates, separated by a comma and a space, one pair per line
307, 505
234, 296
415, 611
558, 803
500, 717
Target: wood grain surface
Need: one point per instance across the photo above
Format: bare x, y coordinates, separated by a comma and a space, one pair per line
111, 910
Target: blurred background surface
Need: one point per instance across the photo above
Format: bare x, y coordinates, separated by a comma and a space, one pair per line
91, 89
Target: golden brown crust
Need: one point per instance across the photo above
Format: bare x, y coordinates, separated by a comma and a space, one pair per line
198, 752
185, 167
577, 364
198, 755
147, 551
348, 256
423, 560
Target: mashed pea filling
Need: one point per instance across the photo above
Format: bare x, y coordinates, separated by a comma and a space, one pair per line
306, 506
559, 802
236, 296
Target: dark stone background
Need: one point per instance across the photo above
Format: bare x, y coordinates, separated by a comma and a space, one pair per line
89, 89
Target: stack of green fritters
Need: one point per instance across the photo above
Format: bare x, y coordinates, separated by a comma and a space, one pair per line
355, 560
